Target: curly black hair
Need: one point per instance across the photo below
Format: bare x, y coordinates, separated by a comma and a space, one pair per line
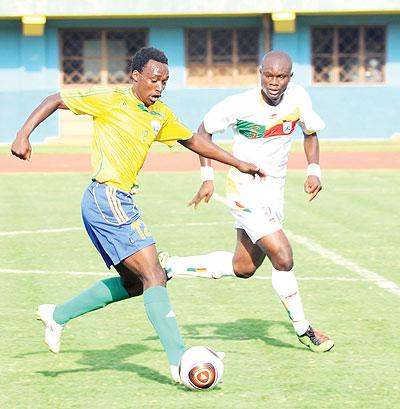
142, 57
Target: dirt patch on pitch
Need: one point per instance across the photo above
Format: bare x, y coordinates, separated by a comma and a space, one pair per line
186, 162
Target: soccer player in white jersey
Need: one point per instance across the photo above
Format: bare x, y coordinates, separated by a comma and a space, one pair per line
263, 120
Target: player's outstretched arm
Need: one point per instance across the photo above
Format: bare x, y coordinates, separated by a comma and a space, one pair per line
312, 185
202, 144
21, 146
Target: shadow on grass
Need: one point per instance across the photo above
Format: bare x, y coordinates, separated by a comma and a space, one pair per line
115, 358
110, 359
240, 330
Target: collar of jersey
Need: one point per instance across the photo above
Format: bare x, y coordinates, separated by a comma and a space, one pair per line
134, 97
139, 103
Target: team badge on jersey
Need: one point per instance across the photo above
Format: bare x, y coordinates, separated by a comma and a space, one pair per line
287, 127
155, 125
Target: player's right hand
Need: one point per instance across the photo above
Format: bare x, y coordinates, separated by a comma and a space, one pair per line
251, 169
205, 192
312, 186
21, 148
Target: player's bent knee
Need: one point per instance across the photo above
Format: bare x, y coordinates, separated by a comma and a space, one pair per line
243, 275
241, 272
157, 278
283, 265
133, 289
243, 269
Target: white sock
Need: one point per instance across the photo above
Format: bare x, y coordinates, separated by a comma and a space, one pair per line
212, 265
285, 285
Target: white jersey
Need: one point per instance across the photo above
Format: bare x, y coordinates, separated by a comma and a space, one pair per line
263, 133
263, 136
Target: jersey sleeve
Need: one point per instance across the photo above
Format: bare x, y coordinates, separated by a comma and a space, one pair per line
310, 121
173, 130
94, 101
220, 117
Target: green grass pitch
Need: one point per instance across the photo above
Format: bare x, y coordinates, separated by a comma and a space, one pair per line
112, 358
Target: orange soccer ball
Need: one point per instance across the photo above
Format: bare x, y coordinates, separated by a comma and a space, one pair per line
201, 368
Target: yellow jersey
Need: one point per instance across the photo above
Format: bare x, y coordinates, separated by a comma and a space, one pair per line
123, 131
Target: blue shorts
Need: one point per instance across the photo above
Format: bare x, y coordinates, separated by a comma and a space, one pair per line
113, 223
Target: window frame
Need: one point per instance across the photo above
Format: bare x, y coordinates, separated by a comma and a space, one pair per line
361, 55
210, 65
103, 53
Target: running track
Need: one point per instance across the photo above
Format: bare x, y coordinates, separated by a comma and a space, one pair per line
186, 162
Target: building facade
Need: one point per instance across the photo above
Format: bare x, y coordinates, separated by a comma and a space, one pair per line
346, 54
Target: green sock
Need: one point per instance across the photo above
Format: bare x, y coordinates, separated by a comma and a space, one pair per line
97, 296
161, 315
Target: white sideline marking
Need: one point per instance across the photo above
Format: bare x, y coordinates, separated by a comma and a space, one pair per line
336, 258
365, 274
22, 232
92, 273
191, 224
69, 229
45, 272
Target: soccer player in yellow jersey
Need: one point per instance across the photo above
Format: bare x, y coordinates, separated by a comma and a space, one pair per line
127, 120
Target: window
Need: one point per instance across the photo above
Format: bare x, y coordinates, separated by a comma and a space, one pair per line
222, 57
349, 54
99, 57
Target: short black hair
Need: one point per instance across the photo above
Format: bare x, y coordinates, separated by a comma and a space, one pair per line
142, 57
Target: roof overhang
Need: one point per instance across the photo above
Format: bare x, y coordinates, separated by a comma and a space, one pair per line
186, 8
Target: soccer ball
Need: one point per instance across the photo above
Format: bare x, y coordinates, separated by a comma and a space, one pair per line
201, 368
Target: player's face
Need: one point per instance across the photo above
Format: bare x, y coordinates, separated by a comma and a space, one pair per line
149, 84
275, 76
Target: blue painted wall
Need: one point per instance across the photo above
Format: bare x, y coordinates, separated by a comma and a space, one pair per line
29, 71
349, 111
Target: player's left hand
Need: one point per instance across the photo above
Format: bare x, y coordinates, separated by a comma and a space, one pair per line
312, 186
205, 192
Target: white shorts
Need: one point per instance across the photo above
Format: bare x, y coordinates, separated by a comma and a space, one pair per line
256, 204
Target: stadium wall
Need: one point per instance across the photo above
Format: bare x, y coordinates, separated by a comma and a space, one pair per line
29, 71
350, 111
